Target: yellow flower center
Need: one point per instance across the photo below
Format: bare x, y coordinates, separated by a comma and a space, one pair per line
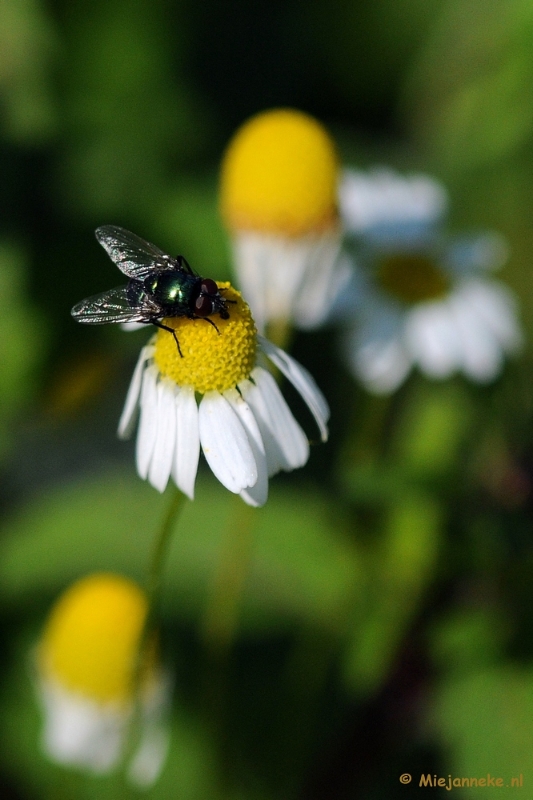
412, 278
90, 641
279, 175
212, 358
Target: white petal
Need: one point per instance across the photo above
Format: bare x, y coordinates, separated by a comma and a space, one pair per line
165, 440
382, 196
302, 380
225, 443
288, 262
286, 445
275, 460
153, 747
482, 356
382, 364
148, 424
255, 495
187, 450
132, 326
496, 305
91, 735
327, 273
273, 271
150, 757
305, 278
433, 340
129, 414
375, 349
250, 257
81, 732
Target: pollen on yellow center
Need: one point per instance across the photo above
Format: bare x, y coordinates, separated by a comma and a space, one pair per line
212, 358
90, 642
279, 175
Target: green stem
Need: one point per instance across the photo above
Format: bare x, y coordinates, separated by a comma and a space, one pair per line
221, 615
154, 579
154, 583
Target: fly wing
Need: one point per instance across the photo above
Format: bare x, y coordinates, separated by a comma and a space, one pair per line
135, 257
111, 306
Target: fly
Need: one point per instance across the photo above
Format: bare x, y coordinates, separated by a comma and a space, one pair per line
159, 286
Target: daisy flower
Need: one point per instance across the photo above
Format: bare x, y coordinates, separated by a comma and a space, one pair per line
278, 198
420, 298
86, 661
218, 396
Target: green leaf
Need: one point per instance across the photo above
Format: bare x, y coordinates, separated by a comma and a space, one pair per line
301, 567
484, 720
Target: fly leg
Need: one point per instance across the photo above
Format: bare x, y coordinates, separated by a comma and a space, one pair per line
170, 330
205, 319
211, 323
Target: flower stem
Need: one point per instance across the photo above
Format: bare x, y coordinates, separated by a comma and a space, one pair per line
154, 583
161, 544
221, 615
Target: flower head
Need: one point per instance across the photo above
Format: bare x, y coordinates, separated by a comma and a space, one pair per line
278, 197
279, 175
240, 419
214, 358
421, 298
86, 662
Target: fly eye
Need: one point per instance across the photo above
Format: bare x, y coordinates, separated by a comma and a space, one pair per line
209, 287
203, 306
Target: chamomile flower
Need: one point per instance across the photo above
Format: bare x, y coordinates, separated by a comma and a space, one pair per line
421, 299
278, 198
86, 662
218, 396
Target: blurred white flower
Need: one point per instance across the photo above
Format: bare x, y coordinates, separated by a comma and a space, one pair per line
420, 298
279, 202
86, 662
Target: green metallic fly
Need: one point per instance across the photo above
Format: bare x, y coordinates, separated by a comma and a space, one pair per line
159, 286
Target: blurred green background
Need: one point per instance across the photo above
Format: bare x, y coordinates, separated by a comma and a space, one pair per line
385, 620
